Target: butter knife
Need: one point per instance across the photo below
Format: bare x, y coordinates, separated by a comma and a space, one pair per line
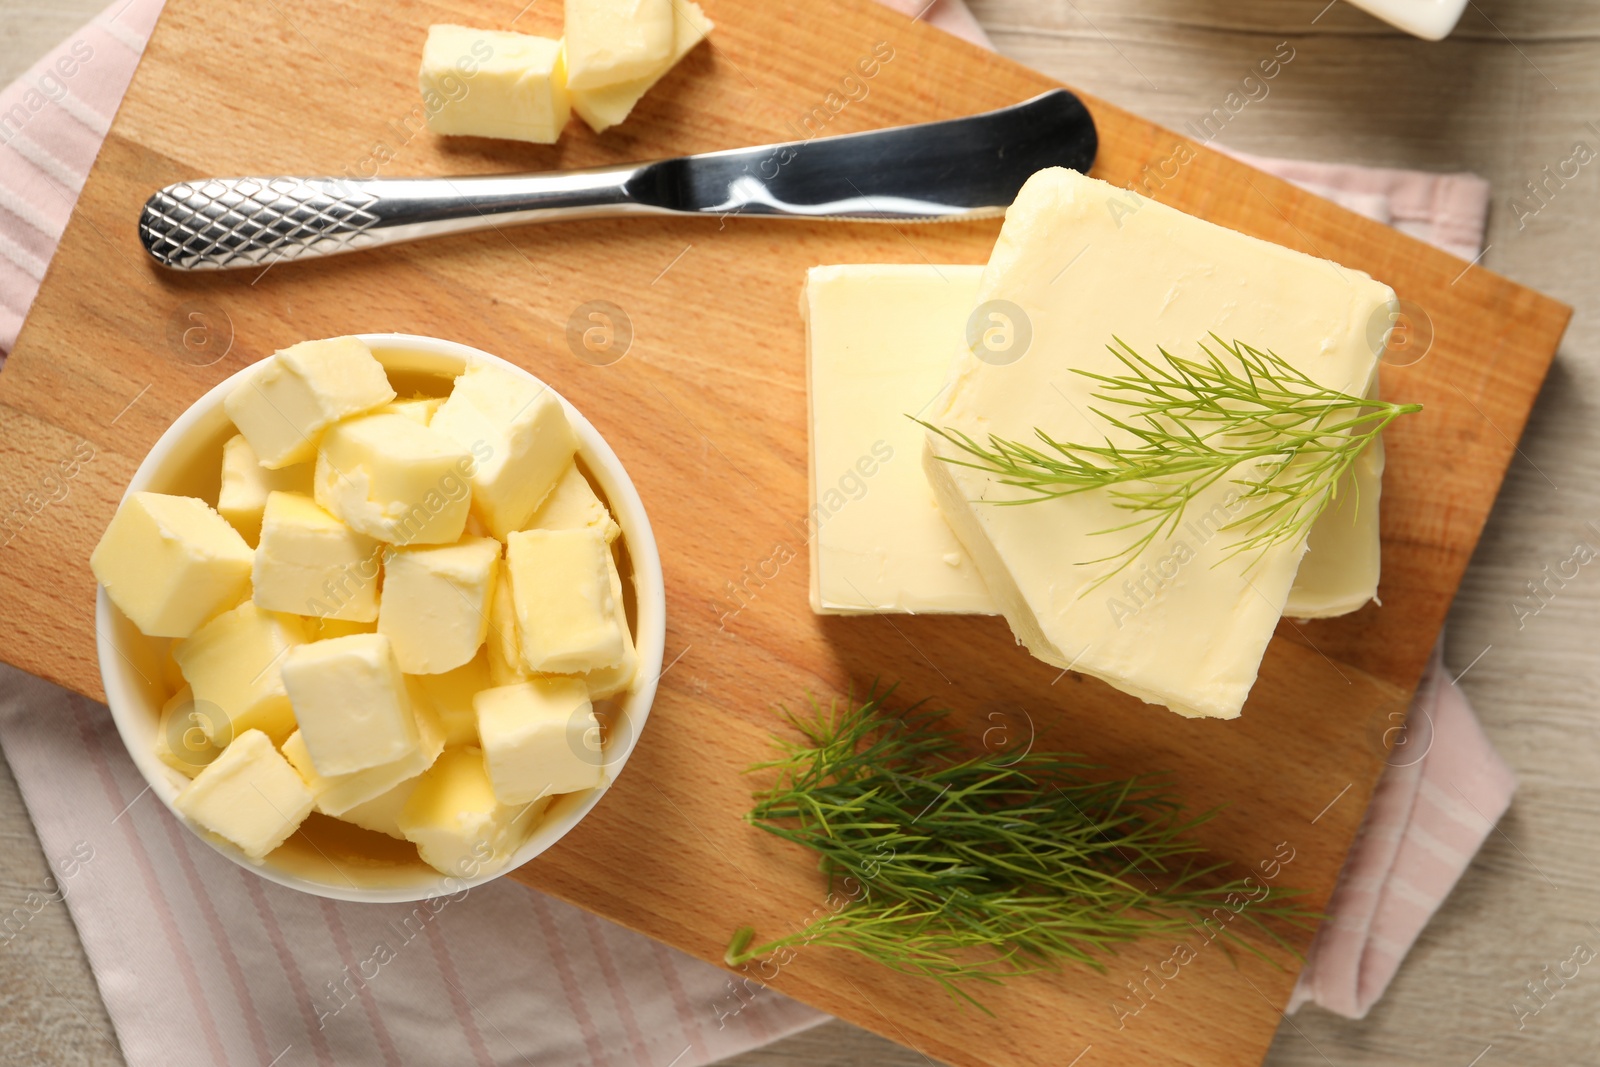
956, 169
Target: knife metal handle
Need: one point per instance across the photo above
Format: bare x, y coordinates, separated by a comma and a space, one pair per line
224, 223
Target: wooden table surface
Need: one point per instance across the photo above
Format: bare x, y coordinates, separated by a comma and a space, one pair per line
1509, 93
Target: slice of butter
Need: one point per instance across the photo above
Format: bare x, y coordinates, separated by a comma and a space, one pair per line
879, 340
566, 611
458, 826
519, 434
393, 479
283, 407
170, 563
540, 738
605, 107
450, 695
234, 664
614, 41
310, 563
1344, 556
339, 794
491, 83
249, 796
351, 702
180, 742
573, 505
436, 602
242, 496
1078, 263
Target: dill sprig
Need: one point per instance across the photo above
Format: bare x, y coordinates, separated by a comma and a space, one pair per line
1193, 422
964, 868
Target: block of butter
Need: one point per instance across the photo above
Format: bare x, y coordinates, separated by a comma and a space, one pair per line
170, 563
1184, 625
540, 738
571, 505
310, 563
450, 695
234, 664
458, 826
394, 479
351, 702
518, 431
242, 495
436, 602
338, 794
566, 611
605, 107
614, 41
291, 398
249, 796
879, 342
490, 83
879, 339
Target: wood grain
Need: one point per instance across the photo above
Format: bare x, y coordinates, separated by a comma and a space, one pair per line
707, 410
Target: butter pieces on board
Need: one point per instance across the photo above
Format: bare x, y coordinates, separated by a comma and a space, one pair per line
514, 86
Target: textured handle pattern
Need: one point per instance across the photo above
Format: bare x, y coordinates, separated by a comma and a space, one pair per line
238, 222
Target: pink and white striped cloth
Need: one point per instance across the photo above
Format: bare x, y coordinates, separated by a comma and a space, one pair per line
200, 962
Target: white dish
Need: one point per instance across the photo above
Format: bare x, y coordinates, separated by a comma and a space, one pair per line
185, 461
1432, 20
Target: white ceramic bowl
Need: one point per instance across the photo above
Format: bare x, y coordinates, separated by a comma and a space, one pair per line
187, 459
1432, 20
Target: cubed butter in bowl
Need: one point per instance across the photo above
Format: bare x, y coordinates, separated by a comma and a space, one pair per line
347, 707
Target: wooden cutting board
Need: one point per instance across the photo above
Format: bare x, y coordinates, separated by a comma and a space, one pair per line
708, 411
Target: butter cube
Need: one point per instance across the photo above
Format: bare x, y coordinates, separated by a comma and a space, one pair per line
170, 563
503, 646
249, 796
310, 563
181, 742
524, 431
450, 695
604, 682
390, 478
351, 702
488, 83
565, 609
242, 497
456, 823
234, 664
611, 41
339, 794
417, 409
605, 107
285, 405
381, 814
540, 738
436, 602
573, 505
